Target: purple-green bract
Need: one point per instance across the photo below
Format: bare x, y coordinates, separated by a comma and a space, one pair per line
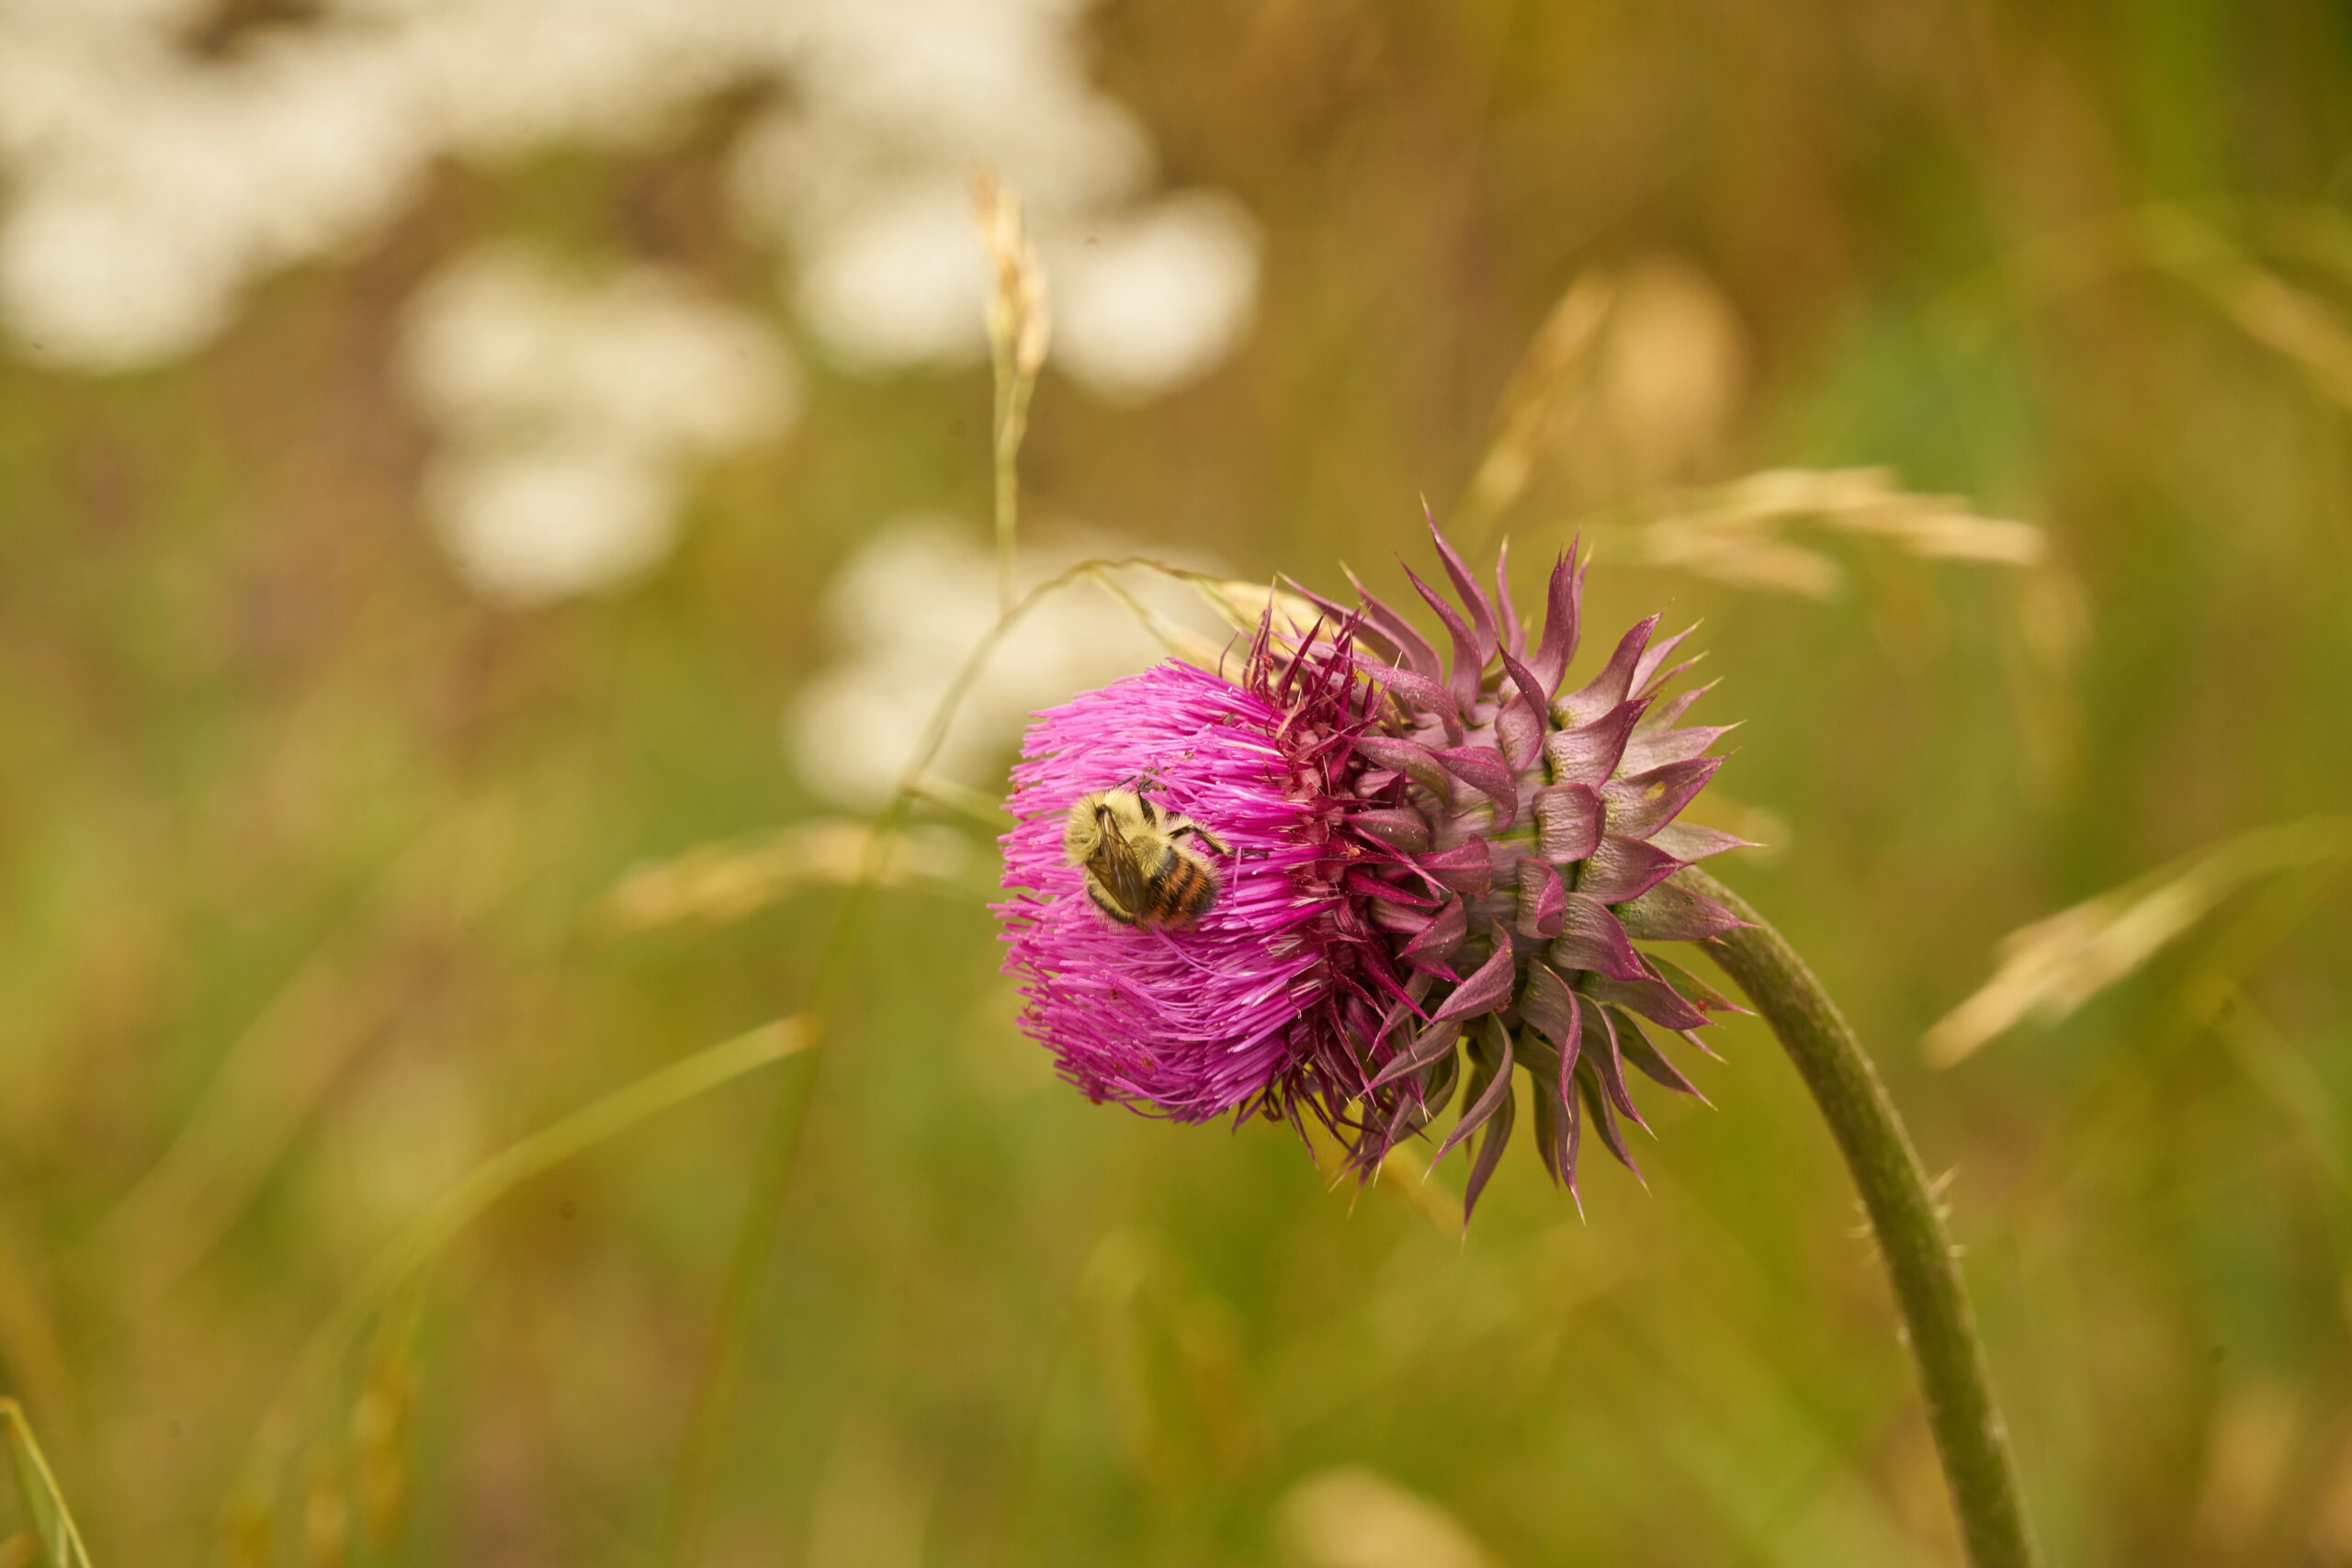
1431, 859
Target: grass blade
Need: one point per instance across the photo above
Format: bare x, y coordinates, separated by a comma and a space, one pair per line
2054, 966
52, 1522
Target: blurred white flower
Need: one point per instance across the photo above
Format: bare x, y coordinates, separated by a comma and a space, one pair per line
153, 15
91, 284
1148, 304
149, 193
506, 341
1354, 1518
909, 607
499, 77
571, 409
935, 86
900, 282
148, 186
526, 525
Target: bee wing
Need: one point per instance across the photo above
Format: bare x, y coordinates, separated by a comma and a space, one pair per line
1115, 865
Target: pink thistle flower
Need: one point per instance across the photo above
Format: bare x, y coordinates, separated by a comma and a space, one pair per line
1257, 1004
1428, 859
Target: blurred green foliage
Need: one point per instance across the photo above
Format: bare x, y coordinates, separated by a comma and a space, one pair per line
301, 849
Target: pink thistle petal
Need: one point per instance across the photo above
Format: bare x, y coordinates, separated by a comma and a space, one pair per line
1466, 868
1700, 994
1434, 943
1589, 754
1671, 912
1484, 770
1640, 805
1652, 998
1688, 842
1624, 868
1542, 903
1658, 747
1491, 1091
1418, 651
1364, 882
1400, 827
1482, 614
1491, 1146
1568, 819
1649, 688
1592, 938
1665, 715
1613, 684
1464, 670
1645, 672
1604, 1121
1383, 647
1650, 1061
1418, 691
1507, 621
1549, 1007
1600, 1048
1486, 991
1562, 611
1429, 1046
1520, 725
1571, 1140
1413, 759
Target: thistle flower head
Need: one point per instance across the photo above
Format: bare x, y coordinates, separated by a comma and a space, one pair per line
1260, 1002
1433, 868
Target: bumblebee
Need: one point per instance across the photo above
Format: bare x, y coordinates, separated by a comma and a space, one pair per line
1145, 867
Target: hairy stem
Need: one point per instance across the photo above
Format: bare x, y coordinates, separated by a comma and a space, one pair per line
1012, 391
1970, 1438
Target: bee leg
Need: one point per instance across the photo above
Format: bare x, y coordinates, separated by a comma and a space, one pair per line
1104, 902
1209, 840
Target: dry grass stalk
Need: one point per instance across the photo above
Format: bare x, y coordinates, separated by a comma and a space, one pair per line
1633, 378
1020, 326
326, 1517
54, 1534
1244, 605
379, 1430
2293, 321
2052, 967
1740, 532
32, 1349
2282, 1073
715, 885
1019, 316
1179, 641
1543, 397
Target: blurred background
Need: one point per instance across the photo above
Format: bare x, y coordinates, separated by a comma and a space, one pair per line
490, 490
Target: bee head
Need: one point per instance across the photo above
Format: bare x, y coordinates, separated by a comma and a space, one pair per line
1105, 815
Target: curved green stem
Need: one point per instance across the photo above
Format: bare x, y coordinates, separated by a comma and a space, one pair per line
1970, 1438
